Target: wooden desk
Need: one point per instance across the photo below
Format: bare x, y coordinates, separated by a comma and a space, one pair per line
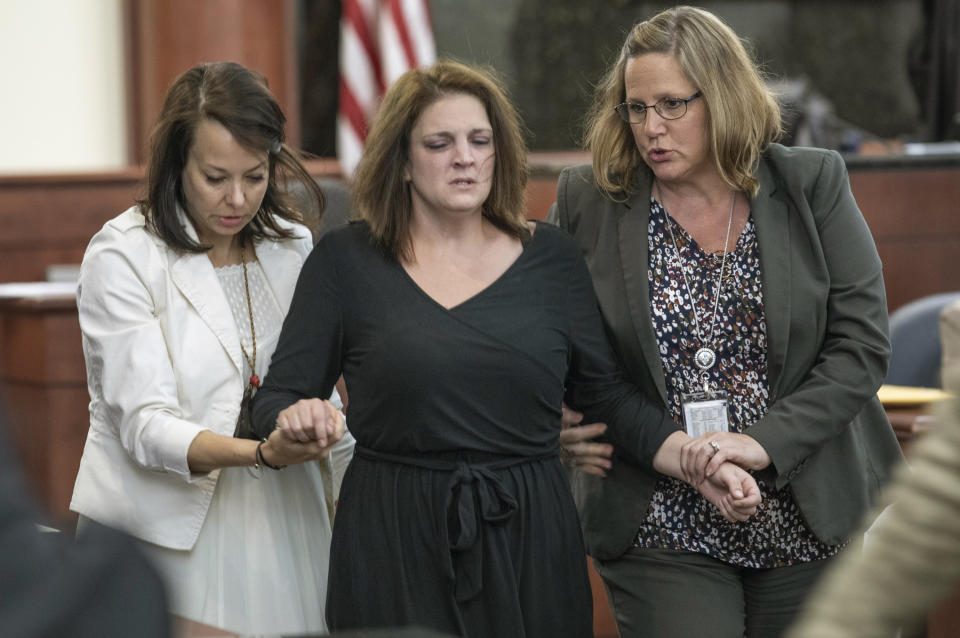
44, 388
907, 410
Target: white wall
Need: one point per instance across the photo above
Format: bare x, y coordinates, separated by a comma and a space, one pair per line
62, 86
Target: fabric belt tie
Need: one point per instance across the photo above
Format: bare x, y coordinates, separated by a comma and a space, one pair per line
476, 494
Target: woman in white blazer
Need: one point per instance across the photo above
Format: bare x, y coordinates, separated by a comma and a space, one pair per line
181, 300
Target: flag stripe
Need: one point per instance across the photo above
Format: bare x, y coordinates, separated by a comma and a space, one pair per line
359, 27
403, 35
350, 109
421, 30
362, 78
379, 41
394, 65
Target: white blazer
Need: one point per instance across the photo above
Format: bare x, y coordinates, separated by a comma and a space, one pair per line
163, 363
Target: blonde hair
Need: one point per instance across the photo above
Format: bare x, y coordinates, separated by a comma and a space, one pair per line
744, 117
381, 195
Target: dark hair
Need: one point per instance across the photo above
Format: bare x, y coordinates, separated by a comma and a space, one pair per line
381, 196
239, 100
744, 114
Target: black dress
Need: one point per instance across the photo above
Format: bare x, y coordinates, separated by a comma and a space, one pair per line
455, 513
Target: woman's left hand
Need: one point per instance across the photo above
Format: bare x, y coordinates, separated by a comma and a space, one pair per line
701, 457
733, 491
311, 420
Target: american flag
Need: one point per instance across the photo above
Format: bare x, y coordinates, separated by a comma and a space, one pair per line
379, 41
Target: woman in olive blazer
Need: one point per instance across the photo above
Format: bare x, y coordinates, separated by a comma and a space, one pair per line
827, 352
821, 437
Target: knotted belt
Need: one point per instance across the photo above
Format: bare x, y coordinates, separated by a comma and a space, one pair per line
475, 494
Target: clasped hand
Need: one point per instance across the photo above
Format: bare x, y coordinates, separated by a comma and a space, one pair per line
732, 490
703, 456
715, 464
718, 473
306, 430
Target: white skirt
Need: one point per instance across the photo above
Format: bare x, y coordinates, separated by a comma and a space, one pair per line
259, 566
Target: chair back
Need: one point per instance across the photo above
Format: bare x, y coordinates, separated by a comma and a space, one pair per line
915, 340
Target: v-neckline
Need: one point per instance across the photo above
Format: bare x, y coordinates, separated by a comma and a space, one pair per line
695, 246
524, 245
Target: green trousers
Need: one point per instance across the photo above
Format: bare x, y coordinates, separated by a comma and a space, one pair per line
660, 593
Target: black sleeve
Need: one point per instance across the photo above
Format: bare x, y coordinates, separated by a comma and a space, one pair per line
307, 361
596, 385
51, 586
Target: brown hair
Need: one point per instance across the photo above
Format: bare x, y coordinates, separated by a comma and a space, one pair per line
381, 196
744, 114
238, 99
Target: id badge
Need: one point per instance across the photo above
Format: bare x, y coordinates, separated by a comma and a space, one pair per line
704, 412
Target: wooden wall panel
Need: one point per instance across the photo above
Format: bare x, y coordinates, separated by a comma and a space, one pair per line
908, 202
913, 214
49, 219
167, 37
43, 380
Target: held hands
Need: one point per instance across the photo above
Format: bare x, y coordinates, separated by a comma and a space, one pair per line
718, 472
280, 451
311, 421
577, 446
703, 456
716, 465
732, 490
305, 431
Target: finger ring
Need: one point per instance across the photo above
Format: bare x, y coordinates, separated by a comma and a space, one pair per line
715, 446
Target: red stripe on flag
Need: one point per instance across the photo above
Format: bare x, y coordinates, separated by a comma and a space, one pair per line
365, 77
400, 21
351, 110
354, 16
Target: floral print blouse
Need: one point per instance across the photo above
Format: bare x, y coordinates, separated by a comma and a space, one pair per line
678, 517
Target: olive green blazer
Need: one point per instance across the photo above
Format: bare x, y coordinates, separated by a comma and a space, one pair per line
826, 317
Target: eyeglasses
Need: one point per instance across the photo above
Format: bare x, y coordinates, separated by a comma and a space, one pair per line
669, 108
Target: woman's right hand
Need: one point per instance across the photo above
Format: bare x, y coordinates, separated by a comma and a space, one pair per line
733, 491
311, 420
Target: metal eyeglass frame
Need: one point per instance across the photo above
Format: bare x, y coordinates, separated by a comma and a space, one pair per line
626, 109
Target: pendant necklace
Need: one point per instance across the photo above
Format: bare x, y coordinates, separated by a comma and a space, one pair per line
706, 356
244, 428
252, 361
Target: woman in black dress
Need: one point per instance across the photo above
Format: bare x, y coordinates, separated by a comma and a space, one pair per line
459, 328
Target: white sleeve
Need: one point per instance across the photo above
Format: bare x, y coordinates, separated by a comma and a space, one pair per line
132, 382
